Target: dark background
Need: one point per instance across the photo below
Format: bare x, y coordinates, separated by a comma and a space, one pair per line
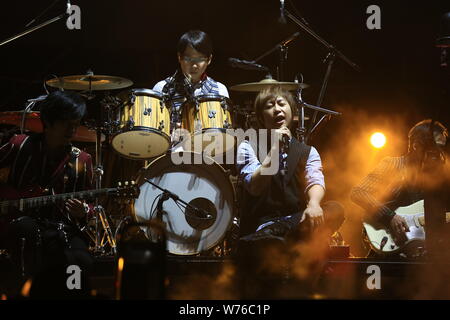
400, 82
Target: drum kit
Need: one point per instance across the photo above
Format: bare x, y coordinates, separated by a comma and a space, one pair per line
136, 124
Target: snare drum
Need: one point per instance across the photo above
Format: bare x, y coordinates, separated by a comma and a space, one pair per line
208, 120
207, 187
143, 125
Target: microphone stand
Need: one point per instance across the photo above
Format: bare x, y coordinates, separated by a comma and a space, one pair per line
301, 130
30, 30
332, 53
283, 47
168, 194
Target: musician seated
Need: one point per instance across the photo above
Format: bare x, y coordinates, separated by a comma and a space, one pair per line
194, 52
285, 204
401, 181
46, 237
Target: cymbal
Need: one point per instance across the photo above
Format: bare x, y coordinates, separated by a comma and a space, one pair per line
89, 82
33, 123
252, 114
266, 83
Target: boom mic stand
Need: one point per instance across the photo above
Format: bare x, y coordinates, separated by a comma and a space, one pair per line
283, 47
168, 194
39, 26
332, 53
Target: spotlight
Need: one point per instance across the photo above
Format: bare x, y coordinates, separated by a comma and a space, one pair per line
378, 140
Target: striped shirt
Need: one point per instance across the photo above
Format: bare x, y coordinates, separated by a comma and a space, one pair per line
384, 189
29, 166
203, 87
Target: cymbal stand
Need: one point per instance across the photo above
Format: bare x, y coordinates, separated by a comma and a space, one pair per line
301, 130
100, 217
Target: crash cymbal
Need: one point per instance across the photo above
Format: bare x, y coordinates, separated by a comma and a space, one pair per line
266, 83
33, 123
89, 82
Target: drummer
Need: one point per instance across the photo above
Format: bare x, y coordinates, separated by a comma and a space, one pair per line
194, 53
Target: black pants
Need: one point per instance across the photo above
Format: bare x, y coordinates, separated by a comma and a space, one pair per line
41, 251
269, 265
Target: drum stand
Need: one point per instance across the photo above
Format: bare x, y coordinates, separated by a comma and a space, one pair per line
301, 130
104, 234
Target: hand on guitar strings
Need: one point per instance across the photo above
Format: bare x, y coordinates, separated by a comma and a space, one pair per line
398, 227
76, 208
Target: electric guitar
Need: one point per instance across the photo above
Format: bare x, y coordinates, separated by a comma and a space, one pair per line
34, 197
380, 238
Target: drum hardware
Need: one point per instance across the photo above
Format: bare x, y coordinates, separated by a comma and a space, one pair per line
267, 83
89, 82
212, 114
161, 125
107, 233
102, 231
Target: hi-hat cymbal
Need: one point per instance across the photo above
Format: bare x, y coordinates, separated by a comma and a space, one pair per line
33, 123
266, 83
89, 82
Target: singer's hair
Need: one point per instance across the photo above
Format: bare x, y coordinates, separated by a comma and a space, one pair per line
272, 93
62, 105
423, 133
196, 39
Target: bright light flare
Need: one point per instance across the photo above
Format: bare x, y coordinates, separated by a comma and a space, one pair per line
378, 140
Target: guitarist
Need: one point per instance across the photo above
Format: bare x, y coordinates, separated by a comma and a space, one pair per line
401, 181
42, 238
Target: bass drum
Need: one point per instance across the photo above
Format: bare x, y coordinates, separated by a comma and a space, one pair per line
205, 186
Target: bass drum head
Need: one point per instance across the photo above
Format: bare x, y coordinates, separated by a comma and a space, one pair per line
205, 186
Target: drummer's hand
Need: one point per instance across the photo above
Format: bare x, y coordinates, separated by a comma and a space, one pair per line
76, 208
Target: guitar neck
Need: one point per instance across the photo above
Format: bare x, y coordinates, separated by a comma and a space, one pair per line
36, 202
422, 219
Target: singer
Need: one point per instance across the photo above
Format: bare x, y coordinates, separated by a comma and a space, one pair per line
286, 207
194, 52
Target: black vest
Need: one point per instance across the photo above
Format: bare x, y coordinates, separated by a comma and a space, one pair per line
285, 195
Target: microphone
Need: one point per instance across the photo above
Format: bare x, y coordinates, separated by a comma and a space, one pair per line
282, 18
246, 65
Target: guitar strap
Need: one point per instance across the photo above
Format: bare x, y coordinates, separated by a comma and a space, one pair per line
65, 166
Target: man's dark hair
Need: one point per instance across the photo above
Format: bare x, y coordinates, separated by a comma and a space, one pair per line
423, 133
196, 39
62, 105
272, 92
